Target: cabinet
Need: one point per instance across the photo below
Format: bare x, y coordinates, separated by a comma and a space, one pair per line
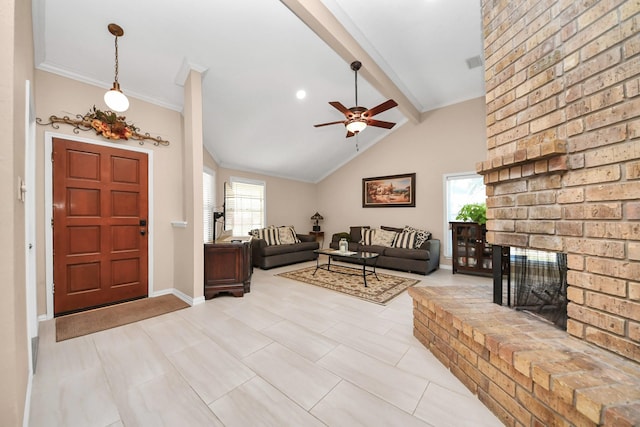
227, 268
471, 252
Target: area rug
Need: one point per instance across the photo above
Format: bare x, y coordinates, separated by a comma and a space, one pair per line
100, 319
377, 291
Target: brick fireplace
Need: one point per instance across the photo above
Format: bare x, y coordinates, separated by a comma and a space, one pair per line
563, 175
563, 163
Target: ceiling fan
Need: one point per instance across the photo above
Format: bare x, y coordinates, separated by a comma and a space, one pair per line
358, 118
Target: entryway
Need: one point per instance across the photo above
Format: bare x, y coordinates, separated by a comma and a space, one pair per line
100, 214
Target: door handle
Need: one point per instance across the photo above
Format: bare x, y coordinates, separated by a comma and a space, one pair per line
143, 232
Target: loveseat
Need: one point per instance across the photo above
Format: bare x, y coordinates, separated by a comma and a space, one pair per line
396, 246
276, 246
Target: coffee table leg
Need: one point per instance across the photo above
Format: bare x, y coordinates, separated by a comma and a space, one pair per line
364, 272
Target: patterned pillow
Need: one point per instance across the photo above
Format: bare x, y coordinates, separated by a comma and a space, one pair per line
287, 235
421, 235
383, 238
405, 240
270, 235
367, 236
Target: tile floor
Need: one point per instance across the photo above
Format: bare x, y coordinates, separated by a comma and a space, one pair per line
286, 354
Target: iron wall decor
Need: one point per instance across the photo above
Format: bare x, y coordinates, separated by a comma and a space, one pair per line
105, 123
391, 191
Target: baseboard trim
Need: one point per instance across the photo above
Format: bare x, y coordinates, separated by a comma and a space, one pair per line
184, 297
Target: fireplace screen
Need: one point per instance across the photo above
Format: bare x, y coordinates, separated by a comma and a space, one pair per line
539, 283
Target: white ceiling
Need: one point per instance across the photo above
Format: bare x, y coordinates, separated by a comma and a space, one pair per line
258, 53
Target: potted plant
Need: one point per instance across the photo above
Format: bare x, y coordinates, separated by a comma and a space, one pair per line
473, 212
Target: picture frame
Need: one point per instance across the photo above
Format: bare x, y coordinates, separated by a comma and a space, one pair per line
392, 191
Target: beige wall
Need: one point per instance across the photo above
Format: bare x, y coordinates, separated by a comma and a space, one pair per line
15, 68
288, 202
56, 95
449, 140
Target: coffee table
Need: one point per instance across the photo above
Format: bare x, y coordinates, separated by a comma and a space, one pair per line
365, 257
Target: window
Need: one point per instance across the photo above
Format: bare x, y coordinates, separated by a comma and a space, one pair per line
460, 189
245, 205
208, 203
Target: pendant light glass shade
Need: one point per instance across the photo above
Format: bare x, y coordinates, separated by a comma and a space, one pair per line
116, 100
356, 126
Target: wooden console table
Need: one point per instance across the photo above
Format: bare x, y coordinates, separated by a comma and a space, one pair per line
227, 267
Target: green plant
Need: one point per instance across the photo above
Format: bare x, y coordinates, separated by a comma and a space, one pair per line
474, 212
342, 235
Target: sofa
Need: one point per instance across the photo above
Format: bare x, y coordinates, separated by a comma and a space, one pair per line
396, 246
277, 246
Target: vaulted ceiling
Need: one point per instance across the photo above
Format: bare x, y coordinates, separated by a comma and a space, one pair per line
256, 54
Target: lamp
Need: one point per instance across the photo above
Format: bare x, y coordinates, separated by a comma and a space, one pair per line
317, 218
114, 98
356, 125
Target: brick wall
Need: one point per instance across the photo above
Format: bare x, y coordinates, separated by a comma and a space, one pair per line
563, 163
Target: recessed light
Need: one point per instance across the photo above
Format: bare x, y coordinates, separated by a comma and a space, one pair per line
301, 94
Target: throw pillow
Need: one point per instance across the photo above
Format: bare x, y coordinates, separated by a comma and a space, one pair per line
421, 235
287, 235
383, 238
270, 235
367, 236
405, 240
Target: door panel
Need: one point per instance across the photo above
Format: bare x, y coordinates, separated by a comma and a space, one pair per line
100, 249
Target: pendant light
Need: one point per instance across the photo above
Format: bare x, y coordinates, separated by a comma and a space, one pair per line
114, 98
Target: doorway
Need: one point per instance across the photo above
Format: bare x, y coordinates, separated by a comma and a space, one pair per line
100, 221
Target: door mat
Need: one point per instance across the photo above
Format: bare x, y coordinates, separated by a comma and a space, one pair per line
100, 319
349, 281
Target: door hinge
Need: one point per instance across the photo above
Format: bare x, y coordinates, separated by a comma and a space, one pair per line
52, 157
53, 288
51, 222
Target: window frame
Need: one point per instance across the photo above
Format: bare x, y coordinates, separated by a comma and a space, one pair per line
447, 178
240, 180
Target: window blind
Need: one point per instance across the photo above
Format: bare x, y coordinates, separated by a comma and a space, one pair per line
208, 204
245, 205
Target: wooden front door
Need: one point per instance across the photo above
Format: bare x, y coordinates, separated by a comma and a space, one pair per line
100, 204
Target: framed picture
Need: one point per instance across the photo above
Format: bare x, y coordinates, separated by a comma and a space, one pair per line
392, 191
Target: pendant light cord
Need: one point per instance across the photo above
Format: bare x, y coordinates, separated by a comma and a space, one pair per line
116, 66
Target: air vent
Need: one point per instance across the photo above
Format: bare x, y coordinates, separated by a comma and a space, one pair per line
474, 62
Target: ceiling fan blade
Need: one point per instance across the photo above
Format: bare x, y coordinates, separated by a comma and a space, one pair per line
380, 108
350, 134
380, 124
338, 106
330, 123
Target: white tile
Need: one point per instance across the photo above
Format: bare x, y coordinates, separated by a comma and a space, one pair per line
173, 334
129, 357
420, 361
60, 359
236, 337
167, 400
257, 403
254, 316
363, 409
301, 380
210, 369
306, 343
165, 370
387, 382
80, 399
384, 348
441, 407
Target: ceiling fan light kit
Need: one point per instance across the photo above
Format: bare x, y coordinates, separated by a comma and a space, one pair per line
358, 118
114, 98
